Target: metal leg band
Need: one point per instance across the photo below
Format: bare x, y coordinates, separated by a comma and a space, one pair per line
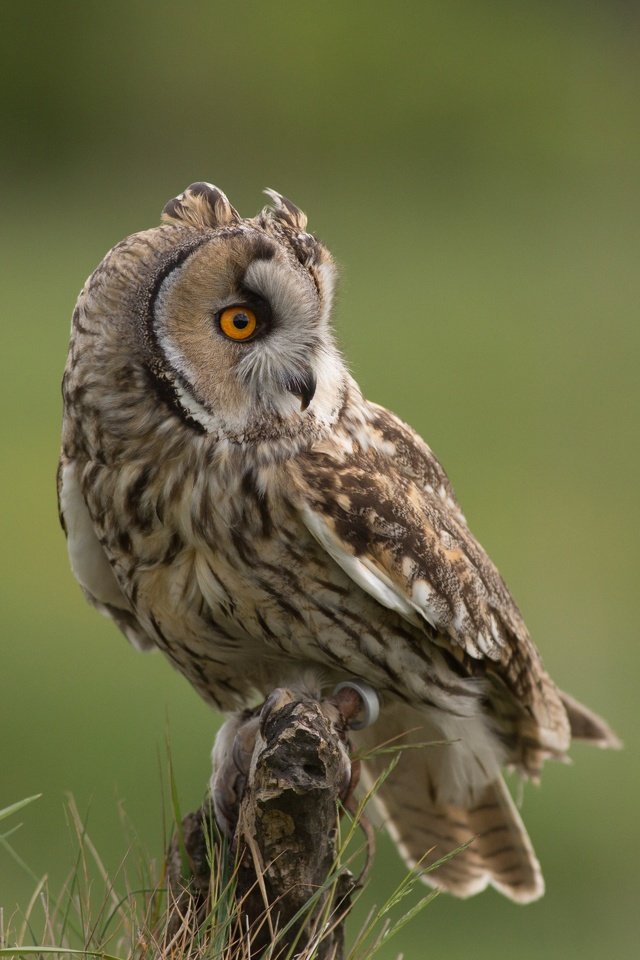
369, 698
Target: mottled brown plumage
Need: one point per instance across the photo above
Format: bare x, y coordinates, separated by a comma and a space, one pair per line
231, 498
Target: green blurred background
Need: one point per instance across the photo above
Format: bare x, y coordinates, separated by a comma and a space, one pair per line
474, 167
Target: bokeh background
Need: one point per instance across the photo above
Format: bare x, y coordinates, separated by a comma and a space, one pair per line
474, 167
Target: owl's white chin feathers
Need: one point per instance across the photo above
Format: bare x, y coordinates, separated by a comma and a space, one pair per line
279, 399
275, 414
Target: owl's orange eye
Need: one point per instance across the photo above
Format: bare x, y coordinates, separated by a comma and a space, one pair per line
238, 323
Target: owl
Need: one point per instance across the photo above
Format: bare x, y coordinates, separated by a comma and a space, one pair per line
230, 498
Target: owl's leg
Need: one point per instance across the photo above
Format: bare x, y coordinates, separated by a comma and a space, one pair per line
358, 706
231, 758
353, 697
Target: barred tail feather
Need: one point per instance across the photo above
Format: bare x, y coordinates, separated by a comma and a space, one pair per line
504, 846
426, 828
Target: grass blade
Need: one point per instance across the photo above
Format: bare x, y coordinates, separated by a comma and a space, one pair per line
14, 807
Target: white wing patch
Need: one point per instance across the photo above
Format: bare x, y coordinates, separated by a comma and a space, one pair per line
365, 573
88, 560
421, 604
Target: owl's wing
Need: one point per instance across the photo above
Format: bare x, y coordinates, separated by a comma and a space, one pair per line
386, 513
89, 562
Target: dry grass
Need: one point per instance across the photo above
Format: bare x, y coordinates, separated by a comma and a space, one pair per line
129, 915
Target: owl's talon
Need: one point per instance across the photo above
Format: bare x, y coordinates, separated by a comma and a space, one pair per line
365, 702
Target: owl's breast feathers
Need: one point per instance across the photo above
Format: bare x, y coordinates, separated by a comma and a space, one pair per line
352, 554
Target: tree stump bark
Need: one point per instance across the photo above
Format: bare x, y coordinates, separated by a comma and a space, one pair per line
278, 776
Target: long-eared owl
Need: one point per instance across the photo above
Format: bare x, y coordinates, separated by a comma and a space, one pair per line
231, 498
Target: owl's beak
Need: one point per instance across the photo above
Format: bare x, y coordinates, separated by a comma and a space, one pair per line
303, 386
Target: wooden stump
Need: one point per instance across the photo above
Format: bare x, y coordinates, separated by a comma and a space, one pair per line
279, 774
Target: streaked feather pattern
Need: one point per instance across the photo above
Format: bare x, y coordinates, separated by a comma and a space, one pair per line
427, 829
241, 507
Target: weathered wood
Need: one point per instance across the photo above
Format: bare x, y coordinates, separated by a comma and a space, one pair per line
279, 774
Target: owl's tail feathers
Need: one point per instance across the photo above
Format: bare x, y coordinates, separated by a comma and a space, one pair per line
475, 842
492, 844
587, 725
504, 846
472, 830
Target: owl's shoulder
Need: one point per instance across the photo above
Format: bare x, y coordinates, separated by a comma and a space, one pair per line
389, 502
412, 457
380, 447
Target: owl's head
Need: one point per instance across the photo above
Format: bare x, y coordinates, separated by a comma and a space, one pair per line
229, 317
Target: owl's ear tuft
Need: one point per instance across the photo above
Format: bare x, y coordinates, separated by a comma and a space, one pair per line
285, 211
201, 205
